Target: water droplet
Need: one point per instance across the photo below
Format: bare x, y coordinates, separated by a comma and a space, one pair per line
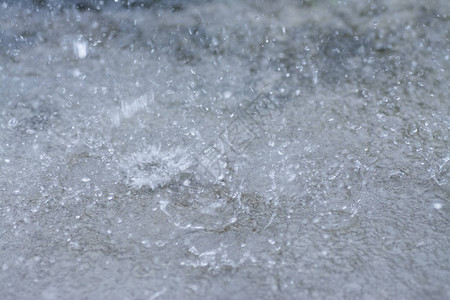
80, 48
227, 94
437, 205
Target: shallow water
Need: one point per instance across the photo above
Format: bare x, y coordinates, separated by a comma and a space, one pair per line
224, 150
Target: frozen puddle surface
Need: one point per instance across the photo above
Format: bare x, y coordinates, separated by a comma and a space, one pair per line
224, 149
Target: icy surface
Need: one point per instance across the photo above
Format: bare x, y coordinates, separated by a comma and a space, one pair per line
225, 149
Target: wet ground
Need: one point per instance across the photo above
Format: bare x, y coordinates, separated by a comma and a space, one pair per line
224, 149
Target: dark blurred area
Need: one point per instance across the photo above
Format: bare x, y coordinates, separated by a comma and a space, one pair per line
98, 5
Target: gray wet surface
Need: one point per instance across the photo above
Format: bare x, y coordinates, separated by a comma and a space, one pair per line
224, 149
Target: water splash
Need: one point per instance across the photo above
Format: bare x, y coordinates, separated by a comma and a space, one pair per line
154, 167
